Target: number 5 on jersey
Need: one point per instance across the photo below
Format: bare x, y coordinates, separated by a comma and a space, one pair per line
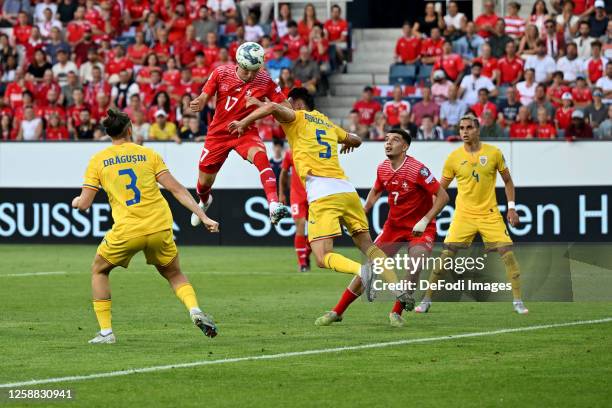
327, 154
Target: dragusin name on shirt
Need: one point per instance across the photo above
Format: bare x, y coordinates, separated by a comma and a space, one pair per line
128, 158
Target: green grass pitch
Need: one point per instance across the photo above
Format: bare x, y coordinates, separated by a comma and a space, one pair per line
263, 307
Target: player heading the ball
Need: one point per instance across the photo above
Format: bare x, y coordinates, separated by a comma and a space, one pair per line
232, 86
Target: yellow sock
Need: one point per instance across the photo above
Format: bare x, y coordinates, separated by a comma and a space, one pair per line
187, 295
339, 263
388, 274
513, 272
103, 313
436, 274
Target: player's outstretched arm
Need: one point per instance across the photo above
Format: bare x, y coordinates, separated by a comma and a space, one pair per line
513, 218
186, 199
280, 111
373, 196
200, 102
84, 201
441, 199
349, 143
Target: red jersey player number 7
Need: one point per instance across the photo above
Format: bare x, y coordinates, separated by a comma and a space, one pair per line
233, 85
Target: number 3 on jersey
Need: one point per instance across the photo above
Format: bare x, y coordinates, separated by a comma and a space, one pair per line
327, 154
131, 186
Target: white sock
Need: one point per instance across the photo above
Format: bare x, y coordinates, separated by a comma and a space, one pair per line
106, 332
195, 310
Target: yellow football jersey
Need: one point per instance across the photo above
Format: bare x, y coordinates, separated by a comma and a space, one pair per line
476, 174
128, 173
314, 142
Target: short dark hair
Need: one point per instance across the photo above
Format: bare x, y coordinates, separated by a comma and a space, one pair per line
278, 142
336, 6
596, 43
116, 123
291, 23
304, 95
403, 133
368, 89
485, 90
477, 64
516, 5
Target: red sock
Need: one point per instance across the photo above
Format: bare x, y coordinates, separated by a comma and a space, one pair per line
301, 249
397, 308
268, 179
203, 191
347, 298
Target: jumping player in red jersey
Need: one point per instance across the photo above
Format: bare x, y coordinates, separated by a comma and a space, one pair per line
232, 85
299, 209
411, 219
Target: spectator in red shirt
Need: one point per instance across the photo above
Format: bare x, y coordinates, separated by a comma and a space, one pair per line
95, 86
431, 48
337, 34
162, 47
137, 11
367, 107
185, 86
211, 50
151, 64
545, 129
319, 47
292, 41
22, 30
393, 108
178, 23
308, 21
51, 107
172, 75
48, 83
452, 64
55, 129
523, 128
187, 48
75, 30
578, 129
200, 71
117, 64
486, 21
557, 89
6, 128
554, 39
138, 51
489, 64
73, 112
148, 91
483, 105
595, 66
563, 115
510, 66
408, 46
581, 94
13, 95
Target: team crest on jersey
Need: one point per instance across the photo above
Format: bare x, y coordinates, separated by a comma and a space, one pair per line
483, 160
424, 172
405, 185
248, 92
224, 88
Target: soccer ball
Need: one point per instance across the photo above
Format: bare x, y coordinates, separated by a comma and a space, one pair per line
250, 56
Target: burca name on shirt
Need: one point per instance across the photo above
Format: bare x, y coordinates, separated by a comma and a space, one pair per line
316, 120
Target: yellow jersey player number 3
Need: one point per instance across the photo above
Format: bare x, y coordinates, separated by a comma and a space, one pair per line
130, 174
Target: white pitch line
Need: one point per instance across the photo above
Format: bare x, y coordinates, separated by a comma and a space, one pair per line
296, 353
14, 275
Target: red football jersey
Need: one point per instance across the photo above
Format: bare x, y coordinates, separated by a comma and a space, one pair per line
410, 189
298, 193
488, 66
522, 130
231, 97
581, 95
557, 92
393, 109
293, 45
336, 29
564, 118
211, 54
595, 68
483, 20
367, 111
56, 133
479, 109
546, 131
408, 49
22, 33
451, 64
510, 70
432, 48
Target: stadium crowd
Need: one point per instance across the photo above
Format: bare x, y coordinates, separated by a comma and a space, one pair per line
547, 76
64, 63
